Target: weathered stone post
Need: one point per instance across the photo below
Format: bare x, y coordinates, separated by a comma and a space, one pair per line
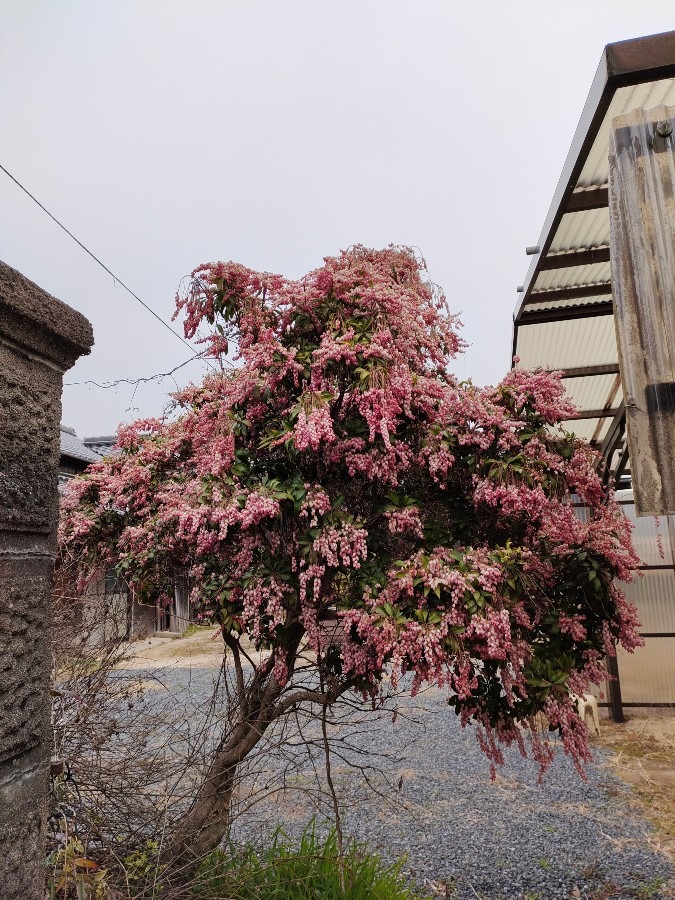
40, 338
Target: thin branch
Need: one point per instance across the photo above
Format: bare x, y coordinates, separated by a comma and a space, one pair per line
329, 780
236, 656
310, 696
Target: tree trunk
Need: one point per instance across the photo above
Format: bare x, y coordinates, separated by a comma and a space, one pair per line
207, 822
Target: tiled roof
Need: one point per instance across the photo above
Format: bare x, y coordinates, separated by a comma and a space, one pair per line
103, 444
73, 447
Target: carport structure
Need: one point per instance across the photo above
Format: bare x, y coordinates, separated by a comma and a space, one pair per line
564, 320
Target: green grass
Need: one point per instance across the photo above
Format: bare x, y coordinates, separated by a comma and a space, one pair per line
304, 872
651, 889
192, 628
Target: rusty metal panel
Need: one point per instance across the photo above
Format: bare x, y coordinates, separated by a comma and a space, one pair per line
642, 241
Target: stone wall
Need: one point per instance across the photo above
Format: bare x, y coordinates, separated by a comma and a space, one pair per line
40, 338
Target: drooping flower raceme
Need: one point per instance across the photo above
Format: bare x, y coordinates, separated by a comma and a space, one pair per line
339, 470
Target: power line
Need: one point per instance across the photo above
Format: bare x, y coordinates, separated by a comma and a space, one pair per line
112, 384
102, 265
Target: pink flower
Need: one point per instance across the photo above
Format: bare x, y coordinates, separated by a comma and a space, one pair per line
340, 470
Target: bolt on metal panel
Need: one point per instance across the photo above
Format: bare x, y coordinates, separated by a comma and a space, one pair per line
642, 241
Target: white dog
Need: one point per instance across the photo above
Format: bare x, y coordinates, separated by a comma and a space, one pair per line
588, 705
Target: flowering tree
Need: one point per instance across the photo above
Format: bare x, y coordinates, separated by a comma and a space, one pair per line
341, 474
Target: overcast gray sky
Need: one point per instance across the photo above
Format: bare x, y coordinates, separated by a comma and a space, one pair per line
274, 132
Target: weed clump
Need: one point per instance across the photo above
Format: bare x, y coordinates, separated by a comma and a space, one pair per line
310, 869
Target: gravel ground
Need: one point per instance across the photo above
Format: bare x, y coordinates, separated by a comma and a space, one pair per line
465, 836
431, 799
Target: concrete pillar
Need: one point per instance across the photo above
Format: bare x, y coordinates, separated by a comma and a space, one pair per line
40, 338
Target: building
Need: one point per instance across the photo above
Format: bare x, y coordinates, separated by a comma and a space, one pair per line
564, 320
110, 610
102, 445
139, 618
75, 455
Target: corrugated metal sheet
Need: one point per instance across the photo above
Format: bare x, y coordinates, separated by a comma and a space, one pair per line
647, 95
589, 429
579, 230
592, 392
648, 533
567, 344
653, 593
566, 304
590, 340
647, 676
603, 428
572, 276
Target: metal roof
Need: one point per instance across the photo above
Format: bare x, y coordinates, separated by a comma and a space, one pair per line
564, 314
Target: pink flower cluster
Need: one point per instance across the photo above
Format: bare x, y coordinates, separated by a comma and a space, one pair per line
316, 503
342, 391
344, 545
258, 507
493, 632
312, 430
405, 521
539, 390
573, 625
264, 600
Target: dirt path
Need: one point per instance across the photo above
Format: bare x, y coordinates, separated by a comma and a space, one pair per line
643, 755
202, 649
